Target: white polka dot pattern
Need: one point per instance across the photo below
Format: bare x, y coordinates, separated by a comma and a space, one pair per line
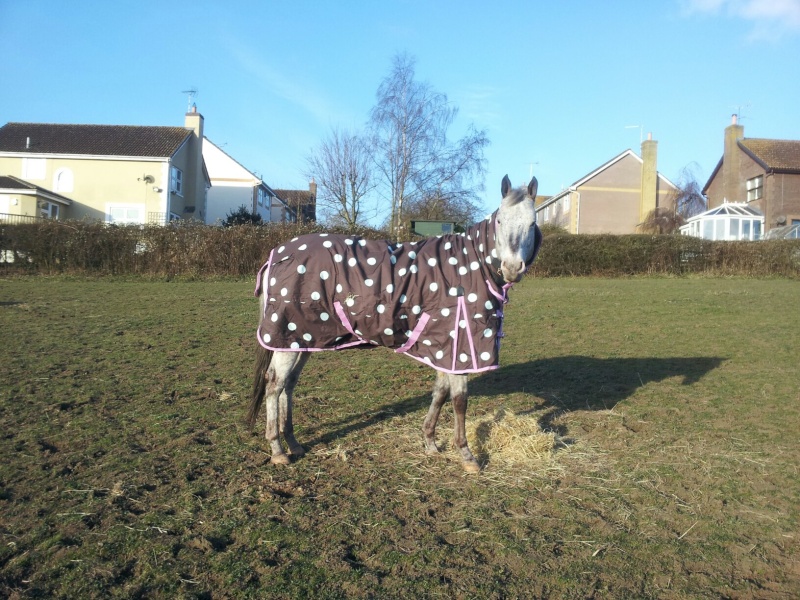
435, 300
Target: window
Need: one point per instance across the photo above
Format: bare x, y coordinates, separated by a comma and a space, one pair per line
755, 188
176, 181
33, 168
547, 213
566, 202
62, 181
48, 210
125, 214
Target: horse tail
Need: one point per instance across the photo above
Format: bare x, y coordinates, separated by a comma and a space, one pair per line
263, 358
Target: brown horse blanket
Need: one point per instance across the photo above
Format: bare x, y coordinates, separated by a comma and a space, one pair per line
439, 300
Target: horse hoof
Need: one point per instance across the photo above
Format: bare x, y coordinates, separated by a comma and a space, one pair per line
471, 466
297, 451
279, 459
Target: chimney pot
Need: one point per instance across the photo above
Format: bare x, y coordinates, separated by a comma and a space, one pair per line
734, 119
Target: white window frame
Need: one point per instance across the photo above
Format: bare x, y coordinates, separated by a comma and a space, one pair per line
755, 188
127, 220
34, 168
63, 180
176, 181
49, 210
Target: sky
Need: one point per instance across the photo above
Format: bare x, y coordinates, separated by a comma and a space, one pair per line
559, 87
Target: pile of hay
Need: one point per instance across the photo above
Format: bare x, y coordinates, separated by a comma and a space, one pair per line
510, 438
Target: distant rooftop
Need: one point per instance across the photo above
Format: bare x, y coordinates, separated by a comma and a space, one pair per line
92, 140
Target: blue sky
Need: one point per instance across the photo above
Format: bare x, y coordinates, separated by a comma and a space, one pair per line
560, 87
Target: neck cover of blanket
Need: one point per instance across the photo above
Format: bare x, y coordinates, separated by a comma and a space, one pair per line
437, 300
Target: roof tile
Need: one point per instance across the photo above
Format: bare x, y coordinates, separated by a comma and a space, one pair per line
94, 140
777, 155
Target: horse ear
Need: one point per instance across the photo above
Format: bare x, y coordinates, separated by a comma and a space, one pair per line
533, 187
505, 186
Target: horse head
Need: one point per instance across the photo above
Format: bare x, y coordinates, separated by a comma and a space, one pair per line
517, 237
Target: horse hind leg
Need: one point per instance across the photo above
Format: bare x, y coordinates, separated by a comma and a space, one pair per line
277, 376
458, 393
285, 406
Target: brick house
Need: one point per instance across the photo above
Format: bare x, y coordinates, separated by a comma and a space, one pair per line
304, 202
614, 198
763, 174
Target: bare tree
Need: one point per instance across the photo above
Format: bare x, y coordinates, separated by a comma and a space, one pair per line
341, 166
415, 161
687, 201
441, 207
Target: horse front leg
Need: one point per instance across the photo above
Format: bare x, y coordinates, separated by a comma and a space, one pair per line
458, 393
285, 408
441, 390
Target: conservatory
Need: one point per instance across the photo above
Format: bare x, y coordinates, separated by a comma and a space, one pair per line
728, 221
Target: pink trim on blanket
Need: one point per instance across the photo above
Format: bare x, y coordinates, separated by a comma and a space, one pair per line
412, 339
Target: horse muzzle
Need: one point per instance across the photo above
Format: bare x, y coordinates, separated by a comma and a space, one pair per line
512, 271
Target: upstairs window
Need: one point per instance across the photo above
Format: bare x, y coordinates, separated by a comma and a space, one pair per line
176, 181
62, 181
755, 188
33, 168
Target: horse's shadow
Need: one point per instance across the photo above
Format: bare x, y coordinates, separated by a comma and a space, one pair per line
559, 384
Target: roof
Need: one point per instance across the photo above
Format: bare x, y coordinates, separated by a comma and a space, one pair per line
295, 197
92, 140
779, 156
9, 182
303, 201
774, 156
596, 172
735, 209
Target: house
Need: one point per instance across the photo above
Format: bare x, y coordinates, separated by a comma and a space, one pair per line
234, 186
762, 174
114, 173
304, 202
614, 198
22, 201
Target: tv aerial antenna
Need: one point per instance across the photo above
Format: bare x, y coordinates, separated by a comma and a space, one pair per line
192, 92
640, 128
740, 110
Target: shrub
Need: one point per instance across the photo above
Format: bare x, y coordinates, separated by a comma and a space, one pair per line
189, 249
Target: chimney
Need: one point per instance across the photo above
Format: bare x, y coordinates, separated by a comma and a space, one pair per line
312, 187
732, 184
649, 191
194, 181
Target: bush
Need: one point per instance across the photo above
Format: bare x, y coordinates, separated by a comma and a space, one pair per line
188, 249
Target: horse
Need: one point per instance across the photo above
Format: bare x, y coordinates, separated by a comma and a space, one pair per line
439, 301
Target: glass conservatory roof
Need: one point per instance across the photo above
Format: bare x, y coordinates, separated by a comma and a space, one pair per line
730, 209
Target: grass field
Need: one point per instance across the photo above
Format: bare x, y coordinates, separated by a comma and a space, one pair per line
127, 472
